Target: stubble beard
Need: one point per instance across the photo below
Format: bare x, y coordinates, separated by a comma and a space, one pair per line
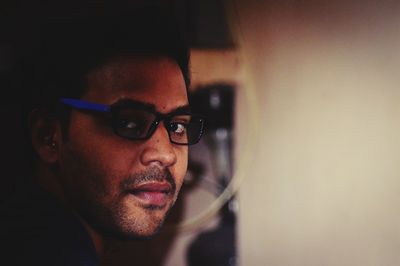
138, 227
106, 211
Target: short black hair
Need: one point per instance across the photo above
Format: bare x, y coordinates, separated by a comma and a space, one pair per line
70, 47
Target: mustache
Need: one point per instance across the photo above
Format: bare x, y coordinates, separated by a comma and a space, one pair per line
149, 175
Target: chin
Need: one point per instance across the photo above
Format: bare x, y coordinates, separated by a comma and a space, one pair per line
144, 232
144, 227
123, 221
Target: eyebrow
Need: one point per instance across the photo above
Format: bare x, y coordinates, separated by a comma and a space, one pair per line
151, 107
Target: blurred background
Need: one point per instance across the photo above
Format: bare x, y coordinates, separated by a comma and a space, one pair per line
324, 186
304, 103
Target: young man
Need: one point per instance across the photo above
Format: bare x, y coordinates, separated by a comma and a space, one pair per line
110, 126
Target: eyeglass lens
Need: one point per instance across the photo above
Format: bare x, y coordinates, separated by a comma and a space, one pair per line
140, 124
134, 124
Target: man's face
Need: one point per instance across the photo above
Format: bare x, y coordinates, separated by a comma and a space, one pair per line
120, 186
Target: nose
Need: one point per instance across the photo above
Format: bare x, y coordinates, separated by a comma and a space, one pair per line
159, 149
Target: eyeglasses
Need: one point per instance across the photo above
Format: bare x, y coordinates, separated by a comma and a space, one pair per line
134, 121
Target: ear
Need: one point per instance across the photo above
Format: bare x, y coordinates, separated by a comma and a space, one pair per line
45, 134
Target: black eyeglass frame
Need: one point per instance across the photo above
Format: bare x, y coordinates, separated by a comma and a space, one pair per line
115, 109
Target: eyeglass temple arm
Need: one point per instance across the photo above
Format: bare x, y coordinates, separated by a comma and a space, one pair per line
84, 105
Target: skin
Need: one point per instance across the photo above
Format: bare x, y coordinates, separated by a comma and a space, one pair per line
95, 171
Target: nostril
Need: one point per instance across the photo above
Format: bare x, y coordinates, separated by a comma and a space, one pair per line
159, 154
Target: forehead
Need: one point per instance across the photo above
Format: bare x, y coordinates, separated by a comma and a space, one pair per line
154, 80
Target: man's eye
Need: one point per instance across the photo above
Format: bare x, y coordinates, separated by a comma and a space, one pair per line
129, 124
178, 128
132, 128
133, 125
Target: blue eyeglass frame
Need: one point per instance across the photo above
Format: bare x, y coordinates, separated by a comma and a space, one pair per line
103, 108
84, 105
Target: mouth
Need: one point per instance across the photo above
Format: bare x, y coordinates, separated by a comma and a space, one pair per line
152, 195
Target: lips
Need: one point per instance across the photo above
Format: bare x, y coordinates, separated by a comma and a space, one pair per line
152, 194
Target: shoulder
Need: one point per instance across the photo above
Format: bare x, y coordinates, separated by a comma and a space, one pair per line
35, 227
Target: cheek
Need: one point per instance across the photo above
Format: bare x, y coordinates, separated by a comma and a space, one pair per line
180, 167
100, 147
104, 170
93, 166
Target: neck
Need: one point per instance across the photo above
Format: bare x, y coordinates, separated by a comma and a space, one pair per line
48, 181
97, 239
